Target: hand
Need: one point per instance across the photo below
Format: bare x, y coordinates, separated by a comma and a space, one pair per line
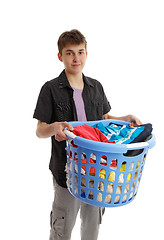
58, 130
134, 121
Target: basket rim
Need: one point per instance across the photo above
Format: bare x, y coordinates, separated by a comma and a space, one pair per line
106, 147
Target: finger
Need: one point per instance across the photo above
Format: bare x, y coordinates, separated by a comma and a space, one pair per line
68, 125
60, 137
137, 121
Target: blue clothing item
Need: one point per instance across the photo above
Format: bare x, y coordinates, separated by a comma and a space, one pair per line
102, 128
124, 134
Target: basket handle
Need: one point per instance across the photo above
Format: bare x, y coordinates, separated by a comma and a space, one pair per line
69, 134
133, 146
150, 144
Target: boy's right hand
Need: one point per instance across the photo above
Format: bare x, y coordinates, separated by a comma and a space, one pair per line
55, 129
58, 130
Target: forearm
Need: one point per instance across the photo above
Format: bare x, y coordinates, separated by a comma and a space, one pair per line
55, 129
107, 116
44, 130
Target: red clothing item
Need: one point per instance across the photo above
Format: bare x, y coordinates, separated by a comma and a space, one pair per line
92, 133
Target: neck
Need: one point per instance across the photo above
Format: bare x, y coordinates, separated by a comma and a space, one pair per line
75, 80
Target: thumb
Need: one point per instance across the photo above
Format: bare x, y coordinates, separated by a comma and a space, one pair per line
68, 126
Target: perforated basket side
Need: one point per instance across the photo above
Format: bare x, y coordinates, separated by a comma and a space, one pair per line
115, 188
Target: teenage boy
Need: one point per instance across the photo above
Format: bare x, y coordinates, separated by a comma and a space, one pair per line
71, 97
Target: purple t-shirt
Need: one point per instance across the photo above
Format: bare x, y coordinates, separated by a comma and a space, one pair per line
79, 103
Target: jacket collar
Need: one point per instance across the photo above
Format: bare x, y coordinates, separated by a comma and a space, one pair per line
63, 81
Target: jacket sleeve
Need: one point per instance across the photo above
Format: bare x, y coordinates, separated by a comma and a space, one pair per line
44, 106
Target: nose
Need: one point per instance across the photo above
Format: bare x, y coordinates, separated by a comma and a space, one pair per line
76, 58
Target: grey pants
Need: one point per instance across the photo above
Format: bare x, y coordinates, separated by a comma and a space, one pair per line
64, 212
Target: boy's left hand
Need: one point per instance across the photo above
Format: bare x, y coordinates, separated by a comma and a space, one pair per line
134, 121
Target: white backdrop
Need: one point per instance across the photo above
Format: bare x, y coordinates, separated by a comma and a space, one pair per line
126, 54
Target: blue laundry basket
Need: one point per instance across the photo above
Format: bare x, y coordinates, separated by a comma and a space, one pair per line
104, 174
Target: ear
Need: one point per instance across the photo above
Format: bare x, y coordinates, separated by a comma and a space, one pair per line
60, 57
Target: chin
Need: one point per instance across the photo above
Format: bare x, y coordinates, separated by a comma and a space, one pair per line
76, 71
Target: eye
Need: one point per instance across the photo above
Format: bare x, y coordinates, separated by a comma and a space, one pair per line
69, 53
82, 52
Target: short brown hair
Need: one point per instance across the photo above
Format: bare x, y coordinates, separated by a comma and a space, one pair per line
73, 37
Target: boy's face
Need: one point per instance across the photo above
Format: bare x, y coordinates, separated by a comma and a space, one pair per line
73, 57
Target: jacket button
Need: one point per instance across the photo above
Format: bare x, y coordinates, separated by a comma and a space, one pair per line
60, 85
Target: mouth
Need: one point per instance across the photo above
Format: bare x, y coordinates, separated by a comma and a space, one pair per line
75, 65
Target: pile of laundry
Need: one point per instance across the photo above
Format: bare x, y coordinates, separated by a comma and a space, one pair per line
114, 133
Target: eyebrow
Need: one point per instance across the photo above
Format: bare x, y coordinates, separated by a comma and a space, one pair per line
69, 50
